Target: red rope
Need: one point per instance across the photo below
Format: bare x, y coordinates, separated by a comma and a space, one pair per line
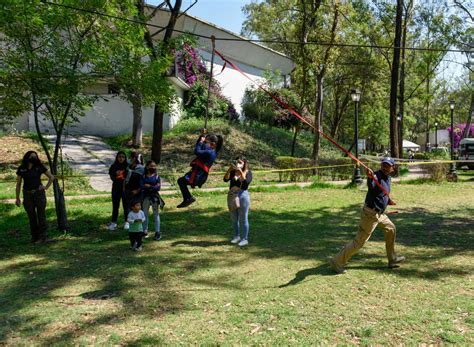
296, 114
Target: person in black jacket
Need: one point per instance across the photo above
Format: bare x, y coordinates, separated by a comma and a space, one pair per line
117, 173
133, 182
34, 194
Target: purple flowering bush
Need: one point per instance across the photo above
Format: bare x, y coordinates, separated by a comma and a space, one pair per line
193, 71
458, 131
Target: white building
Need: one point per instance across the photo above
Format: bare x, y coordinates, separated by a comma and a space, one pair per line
113, 116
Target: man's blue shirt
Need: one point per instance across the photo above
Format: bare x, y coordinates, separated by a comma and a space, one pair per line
375, 197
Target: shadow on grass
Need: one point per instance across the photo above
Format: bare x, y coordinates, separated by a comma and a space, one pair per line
104, 258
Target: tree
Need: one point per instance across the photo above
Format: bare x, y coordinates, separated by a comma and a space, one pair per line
157, 51
394, 81
302, 21
50, 52
138, 80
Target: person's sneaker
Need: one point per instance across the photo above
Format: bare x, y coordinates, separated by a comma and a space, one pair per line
126, 226
243, 243
235, 240
112, 226
157, 237
337, 269
138, 249
186, 203
146, 234
398, 259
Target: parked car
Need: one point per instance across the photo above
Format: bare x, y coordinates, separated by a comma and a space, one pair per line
466, 152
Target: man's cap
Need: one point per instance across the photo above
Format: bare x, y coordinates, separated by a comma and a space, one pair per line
389, 161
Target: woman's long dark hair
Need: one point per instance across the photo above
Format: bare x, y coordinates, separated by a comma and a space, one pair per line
218, 140
120, 153
26, 160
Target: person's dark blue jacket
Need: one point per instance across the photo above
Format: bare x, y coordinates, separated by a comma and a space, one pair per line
155, 186
205, 157
375, 197
204, 152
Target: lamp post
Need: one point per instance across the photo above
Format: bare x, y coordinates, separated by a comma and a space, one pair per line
436, 134
355, 96
452, 171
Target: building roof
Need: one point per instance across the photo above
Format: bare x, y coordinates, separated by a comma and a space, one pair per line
251, 53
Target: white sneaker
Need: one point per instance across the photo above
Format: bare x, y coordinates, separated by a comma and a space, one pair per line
243, 243
112, 226
126, 226
235, 240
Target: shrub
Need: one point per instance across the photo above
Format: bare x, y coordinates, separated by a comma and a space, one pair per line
336, 173
293, 163
437, 171
331, 173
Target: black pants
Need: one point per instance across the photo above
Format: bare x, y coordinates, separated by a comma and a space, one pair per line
35, 206
129, 199
183, 186
117, 195
135, 239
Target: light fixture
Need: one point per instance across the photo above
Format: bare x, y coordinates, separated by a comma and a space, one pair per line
451, 104
355, 95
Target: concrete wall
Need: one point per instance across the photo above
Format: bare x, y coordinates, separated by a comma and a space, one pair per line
108, 117
443, 139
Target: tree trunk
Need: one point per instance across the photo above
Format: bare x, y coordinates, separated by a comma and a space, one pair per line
156, 143
394, 148
467, 129
318, 117
293, 145
401, 95
137, 129
158, 114
59, 202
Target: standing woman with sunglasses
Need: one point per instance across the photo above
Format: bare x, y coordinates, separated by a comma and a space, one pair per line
34, 194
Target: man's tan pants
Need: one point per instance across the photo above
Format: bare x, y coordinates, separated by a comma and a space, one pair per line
369, 220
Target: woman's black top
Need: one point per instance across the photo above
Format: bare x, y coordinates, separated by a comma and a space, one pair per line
236, 182
117, 173
133, 180
31, 177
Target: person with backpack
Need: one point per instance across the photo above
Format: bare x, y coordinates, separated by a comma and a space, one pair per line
151, 185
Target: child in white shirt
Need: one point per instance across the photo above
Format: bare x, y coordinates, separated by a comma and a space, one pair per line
135, 218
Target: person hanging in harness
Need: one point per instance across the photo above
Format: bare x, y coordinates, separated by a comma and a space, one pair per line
206, 150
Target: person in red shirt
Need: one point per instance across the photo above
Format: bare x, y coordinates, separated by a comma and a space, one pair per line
117, 175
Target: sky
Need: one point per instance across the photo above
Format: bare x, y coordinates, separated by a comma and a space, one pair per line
224, 13
228, 15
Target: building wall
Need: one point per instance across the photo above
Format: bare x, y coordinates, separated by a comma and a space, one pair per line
109, 116
443, 139
232, 82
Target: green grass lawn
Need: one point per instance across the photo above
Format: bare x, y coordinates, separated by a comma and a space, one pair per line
195, 288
